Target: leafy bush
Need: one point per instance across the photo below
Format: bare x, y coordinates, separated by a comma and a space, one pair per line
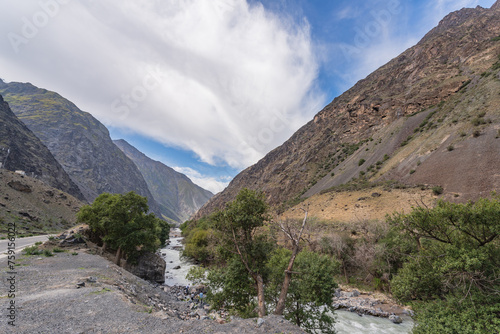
437, 190
361, 161
452, 271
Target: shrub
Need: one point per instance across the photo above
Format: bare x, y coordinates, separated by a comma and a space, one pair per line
478, 121
450, 148
476, 133
361, 161
58, 250
437, 190
412, 171
47, 253
32, 250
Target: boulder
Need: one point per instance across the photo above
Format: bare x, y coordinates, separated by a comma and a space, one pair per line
19, 186
395, 319
150, 266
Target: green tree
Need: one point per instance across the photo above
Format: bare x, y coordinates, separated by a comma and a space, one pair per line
309, 303
122, 223
250, 264
240, 226
453, 271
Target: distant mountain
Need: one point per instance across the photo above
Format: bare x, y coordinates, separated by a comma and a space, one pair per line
79, 142
21, 150
177, 195
430, 116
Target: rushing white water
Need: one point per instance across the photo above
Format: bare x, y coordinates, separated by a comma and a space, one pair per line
350, 323
173, 259
346, 323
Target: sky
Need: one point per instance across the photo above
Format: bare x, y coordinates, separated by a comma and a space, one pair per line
208, 87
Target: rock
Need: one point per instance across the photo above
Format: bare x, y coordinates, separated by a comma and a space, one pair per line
376, 195
19, 186
395, 319
260, 322
149, 266
176, 267
355, 293
80, 285
92, 279
338, 292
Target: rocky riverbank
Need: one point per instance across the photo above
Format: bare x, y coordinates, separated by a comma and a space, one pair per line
369, 303
76, 291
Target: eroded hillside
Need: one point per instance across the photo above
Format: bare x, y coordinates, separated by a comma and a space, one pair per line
429, 116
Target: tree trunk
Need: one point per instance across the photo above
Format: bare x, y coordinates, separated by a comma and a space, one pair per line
260, 294
118, 256
280, 306
345, 273
103, 248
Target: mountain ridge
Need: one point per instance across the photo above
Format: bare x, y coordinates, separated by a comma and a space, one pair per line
78, 141
21, 150
175, 192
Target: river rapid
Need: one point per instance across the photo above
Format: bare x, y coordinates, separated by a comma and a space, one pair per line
346, 322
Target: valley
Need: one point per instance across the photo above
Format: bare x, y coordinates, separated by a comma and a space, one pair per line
384, 203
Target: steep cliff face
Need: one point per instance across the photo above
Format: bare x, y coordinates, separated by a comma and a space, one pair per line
177, 195
21, 150
79, 142
438, 97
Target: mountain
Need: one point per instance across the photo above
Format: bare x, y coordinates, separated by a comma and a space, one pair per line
34, 206
78, 141
430, 116
179, 198
21, 150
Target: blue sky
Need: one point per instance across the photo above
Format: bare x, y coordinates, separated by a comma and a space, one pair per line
207, 87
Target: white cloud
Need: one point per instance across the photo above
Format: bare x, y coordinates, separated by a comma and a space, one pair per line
224, 79
207, 182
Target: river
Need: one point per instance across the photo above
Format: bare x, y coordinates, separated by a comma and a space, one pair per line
346, 323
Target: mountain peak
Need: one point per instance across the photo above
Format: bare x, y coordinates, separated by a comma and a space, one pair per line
496, 5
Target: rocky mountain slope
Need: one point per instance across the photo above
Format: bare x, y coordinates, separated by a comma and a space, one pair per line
21, 150
79, 142
34, 206
177, 195
429, 116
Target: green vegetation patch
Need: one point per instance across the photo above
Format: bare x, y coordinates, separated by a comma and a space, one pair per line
450, 255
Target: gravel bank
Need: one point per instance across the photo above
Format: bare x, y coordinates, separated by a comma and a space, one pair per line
108, 300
